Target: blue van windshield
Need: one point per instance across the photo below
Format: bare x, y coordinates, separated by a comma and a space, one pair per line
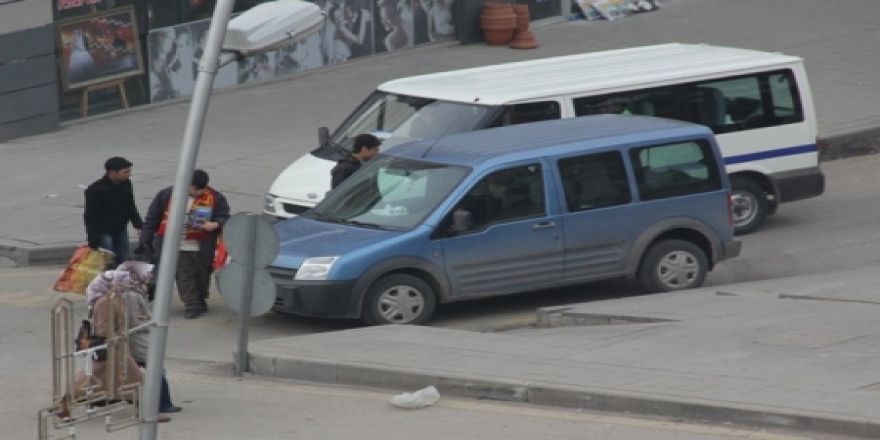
390, 193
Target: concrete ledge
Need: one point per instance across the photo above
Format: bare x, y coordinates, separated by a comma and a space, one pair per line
841, 146
384, 376
695, 409
38, 255
43, 255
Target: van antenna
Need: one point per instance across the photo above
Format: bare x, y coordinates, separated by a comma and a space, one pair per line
430, 147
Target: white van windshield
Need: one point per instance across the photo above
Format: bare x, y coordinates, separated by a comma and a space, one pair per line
400, 118
390, 193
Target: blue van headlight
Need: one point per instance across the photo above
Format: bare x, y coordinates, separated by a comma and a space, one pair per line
315, 268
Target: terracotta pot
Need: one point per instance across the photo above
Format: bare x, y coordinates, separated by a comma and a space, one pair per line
523, 39
498, 23
522, 17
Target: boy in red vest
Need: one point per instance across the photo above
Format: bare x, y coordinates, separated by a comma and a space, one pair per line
207, 211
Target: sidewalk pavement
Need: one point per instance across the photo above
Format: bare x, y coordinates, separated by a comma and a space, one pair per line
253, 132
751, 353
798, 353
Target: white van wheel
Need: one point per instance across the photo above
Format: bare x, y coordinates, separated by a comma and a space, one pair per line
398, 299
749, 205
673, 265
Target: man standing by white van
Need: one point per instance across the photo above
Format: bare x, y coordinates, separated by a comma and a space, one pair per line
365, 147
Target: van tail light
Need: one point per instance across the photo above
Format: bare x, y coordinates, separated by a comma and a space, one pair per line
730, 208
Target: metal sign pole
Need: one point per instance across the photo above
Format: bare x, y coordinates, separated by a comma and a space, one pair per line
195, 123
241, 361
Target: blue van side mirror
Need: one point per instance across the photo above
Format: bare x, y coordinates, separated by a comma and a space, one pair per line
462, 221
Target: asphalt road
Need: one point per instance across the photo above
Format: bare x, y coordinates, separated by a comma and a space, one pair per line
834, 232
806, 237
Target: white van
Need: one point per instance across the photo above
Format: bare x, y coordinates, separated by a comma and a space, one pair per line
758, 104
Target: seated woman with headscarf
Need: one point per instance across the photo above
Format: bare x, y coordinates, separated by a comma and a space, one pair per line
107, 311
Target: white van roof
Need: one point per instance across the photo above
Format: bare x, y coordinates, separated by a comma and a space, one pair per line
574, 74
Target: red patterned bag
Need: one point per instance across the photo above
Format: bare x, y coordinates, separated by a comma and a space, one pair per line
221, 255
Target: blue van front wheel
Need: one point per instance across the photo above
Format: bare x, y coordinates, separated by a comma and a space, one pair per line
399, 299
673, 265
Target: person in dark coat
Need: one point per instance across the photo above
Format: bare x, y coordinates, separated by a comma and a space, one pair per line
207, 211
366, 147
109, 206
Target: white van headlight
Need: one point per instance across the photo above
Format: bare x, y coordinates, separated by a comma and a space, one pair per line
315, 268
269, 203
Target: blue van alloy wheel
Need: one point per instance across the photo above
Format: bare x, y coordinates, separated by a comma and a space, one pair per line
673, 265
399, 299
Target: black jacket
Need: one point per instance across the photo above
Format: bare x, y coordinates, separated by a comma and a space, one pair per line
156, 212
344, 168
109, 208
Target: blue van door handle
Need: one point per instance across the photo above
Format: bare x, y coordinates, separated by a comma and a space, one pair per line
544, 225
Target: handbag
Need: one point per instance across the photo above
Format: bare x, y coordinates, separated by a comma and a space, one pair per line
221, 254
85, 264
85, 339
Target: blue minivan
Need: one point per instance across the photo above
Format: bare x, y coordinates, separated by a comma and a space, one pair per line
509, 210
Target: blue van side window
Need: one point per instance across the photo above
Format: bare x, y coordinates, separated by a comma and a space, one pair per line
673, 170
505, 195
594, 181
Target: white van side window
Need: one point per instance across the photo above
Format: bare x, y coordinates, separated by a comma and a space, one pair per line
784, 94
726, 105
527, 112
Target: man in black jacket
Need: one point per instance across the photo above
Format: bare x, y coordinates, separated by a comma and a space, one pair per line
365, 147
109, 207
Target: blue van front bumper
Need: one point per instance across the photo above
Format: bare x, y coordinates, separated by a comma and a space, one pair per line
324, 299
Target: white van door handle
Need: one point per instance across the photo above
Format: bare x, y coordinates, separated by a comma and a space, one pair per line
544, 225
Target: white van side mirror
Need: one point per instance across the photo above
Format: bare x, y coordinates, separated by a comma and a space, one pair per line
323, 136
271, 25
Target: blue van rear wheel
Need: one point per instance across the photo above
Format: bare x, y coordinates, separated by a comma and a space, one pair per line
673, 265
399, 299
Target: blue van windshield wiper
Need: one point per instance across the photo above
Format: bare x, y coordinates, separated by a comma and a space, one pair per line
323, 217
362, 224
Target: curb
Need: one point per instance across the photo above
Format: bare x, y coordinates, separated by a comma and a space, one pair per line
859, 143
38, 255
383, 376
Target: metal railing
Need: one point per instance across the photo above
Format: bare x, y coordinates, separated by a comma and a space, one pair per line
96, 397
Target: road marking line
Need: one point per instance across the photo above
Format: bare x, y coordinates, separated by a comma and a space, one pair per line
494, 407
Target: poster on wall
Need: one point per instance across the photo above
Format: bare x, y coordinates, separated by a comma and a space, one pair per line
174, 53
356, 28
98, 48
615, 9
353, 29
539, 9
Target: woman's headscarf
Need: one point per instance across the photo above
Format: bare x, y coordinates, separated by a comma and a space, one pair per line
129, 275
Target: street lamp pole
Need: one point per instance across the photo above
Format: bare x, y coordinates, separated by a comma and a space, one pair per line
262, 28
208, 67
